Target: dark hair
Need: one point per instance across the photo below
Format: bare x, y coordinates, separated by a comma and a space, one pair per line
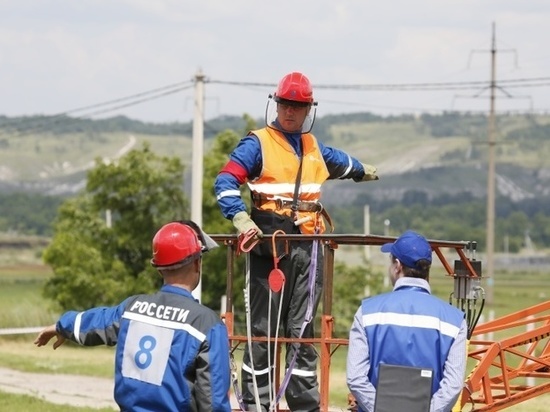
422, 269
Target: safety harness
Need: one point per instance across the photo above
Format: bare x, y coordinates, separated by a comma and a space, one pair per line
276, 282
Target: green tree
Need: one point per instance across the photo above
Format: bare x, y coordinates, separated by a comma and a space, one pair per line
214, 264
346, 299
515, 226
541, 229
97, 264
28, 213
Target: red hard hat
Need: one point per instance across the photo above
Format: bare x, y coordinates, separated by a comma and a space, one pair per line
294, 87
175, 244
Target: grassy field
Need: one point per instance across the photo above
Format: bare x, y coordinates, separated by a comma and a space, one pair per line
22, 305
27, 403
21, 297
52, 156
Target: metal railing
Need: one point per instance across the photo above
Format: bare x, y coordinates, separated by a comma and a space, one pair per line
466, 285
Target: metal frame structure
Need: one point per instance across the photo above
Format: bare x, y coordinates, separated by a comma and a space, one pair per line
491, 384
513, 369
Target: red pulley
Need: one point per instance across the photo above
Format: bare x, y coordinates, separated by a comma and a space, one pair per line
276, 280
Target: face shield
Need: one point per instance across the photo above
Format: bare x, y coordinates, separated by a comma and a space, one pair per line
289, 116
207, 243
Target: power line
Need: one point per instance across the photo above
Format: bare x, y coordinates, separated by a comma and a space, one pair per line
524, 80
172, 88
138, 98
178, 87
531, 82
136, 102
63, 117
509, 86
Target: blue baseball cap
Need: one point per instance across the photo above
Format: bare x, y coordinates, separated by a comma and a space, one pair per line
409, 248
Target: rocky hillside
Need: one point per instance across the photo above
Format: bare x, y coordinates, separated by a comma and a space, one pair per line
432, 154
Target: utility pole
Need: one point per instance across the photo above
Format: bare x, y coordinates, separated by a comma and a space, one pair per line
491, 169
197, 160
366, 228
490, 247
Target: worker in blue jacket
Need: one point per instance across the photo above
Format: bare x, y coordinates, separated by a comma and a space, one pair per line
409, 327
172, 353
284, 166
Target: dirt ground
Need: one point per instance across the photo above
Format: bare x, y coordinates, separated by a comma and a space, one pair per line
75, 390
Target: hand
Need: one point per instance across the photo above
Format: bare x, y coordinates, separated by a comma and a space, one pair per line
46, 334
243, 224
370, 173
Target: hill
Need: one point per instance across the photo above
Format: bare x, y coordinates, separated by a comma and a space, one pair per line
434, 154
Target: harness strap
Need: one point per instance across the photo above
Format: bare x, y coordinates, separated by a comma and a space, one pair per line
327, 217
301, 206
281, 204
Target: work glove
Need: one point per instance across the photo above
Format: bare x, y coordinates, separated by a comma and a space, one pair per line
243, 224
370, 173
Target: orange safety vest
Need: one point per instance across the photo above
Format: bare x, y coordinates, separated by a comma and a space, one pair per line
276, 183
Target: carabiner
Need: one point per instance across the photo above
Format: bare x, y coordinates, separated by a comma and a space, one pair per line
248, 240
276, 278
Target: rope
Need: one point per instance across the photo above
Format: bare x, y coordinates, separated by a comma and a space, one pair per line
307, 320
271, 382
249, 331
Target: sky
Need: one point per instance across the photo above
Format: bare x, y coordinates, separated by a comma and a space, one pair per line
61, 56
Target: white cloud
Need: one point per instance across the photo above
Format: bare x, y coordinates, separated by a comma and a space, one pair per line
57, 55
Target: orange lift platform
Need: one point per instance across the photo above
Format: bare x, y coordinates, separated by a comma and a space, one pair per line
513, 369
501, 371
